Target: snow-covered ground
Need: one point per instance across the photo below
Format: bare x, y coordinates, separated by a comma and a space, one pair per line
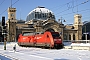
32, 53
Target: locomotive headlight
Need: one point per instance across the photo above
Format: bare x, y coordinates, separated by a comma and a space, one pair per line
57, 39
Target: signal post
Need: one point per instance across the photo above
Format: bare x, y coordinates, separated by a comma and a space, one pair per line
4, 31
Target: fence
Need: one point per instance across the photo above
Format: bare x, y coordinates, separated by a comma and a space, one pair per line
77, 41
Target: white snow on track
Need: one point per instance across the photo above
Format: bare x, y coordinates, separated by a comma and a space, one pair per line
32, 53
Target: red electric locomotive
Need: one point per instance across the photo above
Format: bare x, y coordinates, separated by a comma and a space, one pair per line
46, 39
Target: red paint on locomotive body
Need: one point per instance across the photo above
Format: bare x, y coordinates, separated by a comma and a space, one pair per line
48, 39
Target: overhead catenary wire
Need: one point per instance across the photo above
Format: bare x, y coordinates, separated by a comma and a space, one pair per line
83, 11
76, 12
15, 2
71, 7
60, 6
57, 14
68, 6
6, 8
3, 11
2, 2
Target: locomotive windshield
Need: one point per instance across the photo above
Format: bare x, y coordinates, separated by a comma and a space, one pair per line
55, 35
27, 33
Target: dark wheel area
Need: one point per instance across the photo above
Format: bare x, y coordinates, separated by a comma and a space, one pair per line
58, 46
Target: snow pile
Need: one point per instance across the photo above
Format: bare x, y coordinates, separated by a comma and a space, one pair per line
80, 44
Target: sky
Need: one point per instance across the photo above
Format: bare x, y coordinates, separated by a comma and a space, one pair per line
61, 8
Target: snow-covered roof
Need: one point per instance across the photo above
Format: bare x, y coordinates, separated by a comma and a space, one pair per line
41, 9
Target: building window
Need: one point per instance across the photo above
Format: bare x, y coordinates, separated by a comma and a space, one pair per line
69, 37
73, 36
65, 36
